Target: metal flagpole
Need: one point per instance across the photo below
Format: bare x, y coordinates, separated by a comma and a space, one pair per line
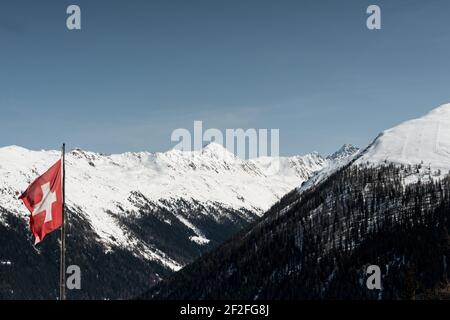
62, 265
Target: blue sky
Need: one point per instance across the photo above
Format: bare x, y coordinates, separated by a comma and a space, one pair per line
140, 69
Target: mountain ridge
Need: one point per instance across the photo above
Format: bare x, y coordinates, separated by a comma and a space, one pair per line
162, 208
317, 241
414, 141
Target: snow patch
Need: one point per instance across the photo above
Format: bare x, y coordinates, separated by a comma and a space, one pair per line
199, 240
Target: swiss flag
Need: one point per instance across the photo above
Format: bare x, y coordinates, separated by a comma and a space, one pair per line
44, 200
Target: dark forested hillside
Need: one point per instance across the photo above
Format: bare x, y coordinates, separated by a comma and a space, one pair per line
32, 272
318, 245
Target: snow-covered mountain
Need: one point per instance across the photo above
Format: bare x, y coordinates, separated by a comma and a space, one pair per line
97, 182
343, 157
419, 141
347, 150
206, 195
421, 146
386, 205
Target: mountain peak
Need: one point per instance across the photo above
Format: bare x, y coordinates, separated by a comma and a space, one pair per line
13, 148
443, 109
217, 150
214, 146
343, 152
422, 140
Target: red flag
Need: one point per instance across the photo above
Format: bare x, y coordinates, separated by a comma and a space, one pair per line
44, 200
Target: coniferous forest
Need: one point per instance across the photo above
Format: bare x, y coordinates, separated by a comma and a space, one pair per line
318, 244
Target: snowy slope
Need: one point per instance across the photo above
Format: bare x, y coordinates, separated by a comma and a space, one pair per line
104, 187
339, 159
296, 166
334, 163
424, 141
347, 150
423, 144
355, 215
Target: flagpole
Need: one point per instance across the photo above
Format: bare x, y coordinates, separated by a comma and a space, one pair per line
62, 266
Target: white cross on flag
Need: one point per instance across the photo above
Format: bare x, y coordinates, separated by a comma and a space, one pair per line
44, 200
